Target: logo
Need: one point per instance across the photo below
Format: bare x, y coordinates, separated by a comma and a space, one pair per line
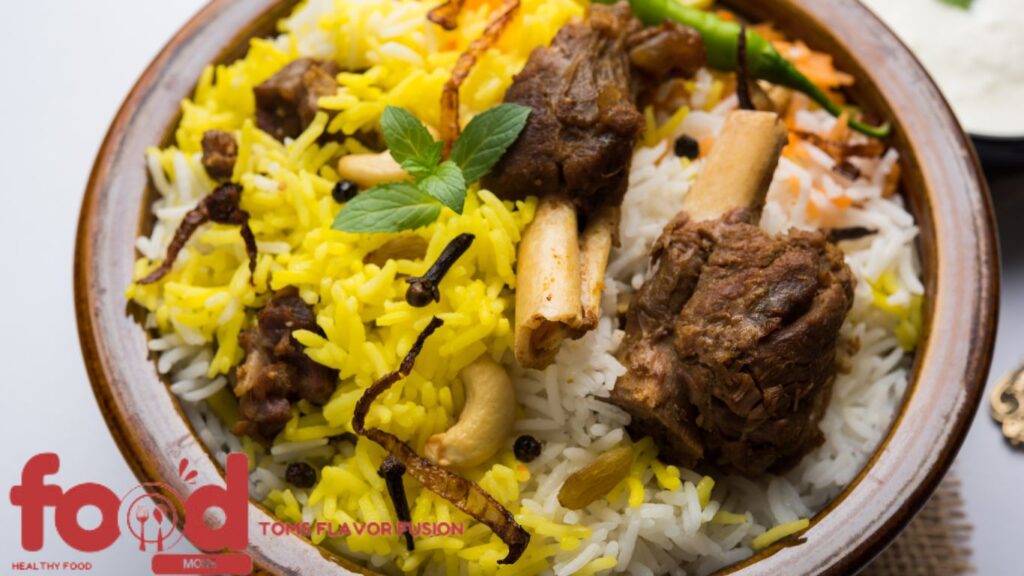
214, 519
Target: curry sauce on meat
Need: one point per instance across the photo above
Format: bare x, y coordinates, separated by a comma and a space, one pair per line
575, 154
580, 136
286, 103
276, 371
585, 123
731, 344
220, 151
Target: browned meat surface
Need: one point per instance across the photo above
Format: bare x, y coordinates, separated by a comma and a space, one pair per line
287, 102
666, 51
731, 344
580, 136
220, 151
653, 390
276, 371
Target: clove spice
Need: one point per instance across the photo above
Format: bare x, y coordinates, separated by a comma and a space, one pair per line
742, 76
391, 470
424, 289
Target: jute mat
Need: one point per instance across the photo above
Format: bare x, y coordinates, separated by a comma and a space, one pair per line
937, 541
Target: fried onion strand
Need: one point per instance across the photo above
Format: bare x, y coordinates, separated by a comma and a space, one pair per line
221, 207
464, 494
450, 94
447, 15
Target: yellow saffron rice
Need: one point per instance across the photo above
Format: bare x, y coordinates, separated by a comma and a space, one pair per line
392, 55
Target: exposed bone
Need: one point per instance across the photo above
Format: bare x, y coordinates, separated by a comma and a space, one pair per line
739, 169
548, 295
595, 246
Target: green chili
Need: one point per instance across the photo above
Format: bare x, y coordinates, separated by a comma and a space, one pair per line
763, 60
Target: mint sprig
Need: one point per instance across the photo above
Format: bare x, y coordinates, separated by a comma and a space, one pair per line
400, 206
394, 206
447, 183
486, 139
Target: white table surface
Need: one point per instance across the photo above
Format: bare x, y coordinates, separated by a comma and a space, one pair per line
67, 64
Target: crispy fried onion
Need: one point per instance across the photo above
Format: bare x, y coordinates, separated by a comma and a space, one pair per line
221, 207
464, 494
841, 150
464, 65
447, 15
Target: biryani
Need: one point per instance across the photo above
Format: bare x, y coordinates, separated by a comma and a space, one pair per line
596, 288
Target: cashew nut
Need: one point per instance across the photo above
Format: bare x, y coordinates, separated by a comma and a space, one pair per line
404, 247
369, 170
485, 422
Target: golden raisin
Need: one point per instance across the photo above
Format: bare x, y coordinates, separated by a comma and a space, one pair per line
596, 479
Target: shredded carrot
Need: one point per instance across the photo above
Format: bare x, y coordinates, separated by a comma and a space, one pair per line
795, 150
794, 185
815, 65
841, 131
842, 202
797, 102
725, 15
705, 145
892, 181
812, 209
768, 31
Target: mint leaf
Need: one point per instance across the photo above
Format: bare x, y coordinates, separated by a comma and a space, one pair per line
447, 185
486, 138
418, 170
962, 4
408, 140
388, 208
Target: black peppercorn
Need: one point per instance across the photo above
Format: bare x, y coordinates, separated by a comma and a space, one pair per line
344, 191
526, 448
300, 475
687, 147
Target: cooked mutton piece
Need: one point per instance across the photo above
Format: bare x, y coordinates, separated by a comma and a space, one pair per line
575, 153
287, 102
669, 50
584, 123
731, 344
276, 371
220, 152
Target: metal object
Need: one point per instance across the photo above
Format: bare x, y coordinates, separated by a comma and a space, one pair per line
1007, 403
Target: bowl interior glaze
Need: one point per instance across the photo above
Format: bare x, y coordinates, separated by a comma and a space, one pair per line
941, 179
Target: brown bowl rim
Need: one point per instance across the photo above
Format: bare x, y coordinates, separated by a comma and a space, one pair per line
952, 186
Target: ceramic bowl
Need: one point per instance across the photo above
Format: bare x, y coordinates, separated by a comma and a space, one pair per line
941, 179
